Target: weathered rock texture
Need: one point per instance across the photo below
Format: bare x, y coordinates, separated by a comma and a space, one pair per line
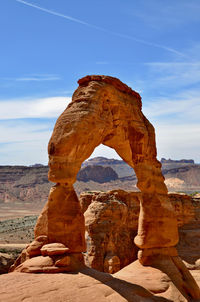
134, 283
104, 110
111, 221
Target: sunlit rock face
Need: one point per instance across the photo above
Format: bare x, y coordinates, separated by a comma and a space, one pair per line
111, 221
104, 110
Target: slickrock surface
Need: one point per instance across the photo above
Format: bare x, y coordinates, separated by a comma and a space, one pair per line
134, 283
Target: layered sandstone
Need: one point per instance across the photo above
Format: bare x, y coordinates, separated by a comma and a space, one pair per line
104, 110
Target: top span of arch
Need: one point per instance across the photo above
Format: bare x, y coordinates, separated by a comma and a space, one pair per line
111, 81
103, 111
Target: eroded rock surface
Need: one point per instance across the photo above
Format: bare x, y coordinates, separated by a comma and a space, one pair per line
111, 220
134, 283
104, 110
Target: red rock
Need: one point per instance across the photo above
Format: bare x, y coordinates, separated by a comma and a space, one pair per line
133, 283
34, 248
111, 264
111, 222
104, 110
65, 261
35, 263
54, 249
62, 220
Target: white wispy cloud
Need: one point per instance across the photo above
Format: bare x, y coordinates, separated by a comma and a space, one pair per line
33, 77
27, 139
177, 124
54, 13
170, 76
124, 36
38, 79
23, 142
180, 105
33, 108
23, 131
178, 140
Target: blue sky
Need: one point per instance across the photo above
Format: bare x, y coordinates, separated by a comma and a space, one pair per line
47, 45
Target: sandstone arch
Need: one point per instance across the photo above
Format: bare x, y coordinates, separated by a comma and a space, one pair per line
104, 110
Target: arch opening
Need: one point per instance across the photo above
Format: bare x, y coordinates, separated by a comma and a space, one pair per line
104, 171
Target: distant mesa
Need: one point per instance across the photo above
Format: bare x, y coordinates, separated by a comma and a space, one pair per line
184, 161
36, 165
103, 161
97, 173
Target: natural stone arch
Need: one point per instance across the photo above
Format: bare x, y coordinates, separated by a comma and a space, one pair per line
104, 110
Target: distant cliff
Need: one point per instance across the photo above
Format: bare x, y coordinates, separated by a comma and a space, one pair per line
97, 173
30, 184
182, 161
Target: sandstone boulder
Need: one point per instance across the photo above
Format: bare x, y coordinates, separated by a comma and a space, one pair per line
34, 248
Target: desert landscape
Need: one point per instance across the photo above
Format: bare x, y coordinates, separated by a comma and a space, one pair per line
99, 151
121, 227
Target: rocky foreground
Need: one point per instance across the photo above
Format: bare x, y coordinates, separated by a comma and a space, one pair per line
134, 283
112, 272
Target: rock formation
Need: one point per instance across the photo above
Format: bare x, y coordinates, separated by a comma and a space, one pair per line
97, 173
104, 110
111, 220
134, 283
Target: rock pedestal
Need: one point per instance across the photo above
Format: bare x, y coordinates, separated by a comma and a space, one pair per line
64, 221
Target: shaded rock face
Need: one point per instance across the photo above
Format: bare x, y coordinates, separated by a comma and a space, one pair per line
111, 221
6, 260
97, 173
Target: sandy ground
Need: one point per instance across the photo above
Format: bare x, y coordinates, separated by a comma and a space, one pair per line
16, 210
